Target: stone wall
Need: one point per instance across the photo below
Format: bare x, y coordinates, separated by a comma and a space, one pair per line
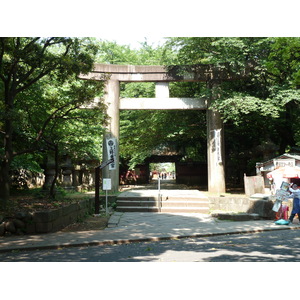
262, 207
235, 204
254, 185
46, 221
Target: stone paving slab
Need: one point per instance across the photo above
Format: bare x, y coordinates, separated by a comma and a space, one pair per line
114, 220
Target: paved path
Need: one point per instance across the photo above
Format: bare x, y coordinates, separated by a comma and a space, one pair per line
125, 227
132, 227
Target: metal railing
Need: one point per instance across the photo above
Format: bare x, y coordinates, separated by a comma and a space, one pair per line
159, 196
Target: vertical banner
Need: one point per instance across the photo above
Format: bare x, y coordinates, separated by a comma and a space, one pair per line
218, 145
111, 145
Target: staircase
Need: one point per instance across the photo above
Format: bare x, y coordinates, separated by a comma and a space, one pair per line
172, 201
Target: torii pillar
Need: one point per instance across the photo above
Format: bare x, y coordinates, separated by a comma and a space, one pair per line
112, 100
215, 146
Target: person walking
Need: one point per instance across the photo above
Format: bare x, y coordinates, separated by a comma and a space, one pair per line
294, 189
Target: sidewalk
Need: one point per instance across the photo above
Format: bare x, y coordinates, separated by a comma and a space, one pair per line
134, 227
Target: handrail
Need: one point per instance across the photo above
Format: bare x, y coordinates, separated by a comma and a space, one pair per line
159, 196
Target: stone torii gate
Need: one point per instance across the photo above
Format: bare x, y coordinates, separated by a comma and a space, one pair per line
114, 74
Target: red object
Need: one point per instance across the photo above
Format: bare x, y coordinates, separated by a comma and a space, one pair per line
282, 212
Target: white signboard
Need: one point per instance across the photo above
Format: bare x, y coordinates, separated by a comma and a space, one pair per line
106, 184
284, 163
276, 205
282, 195
111, 145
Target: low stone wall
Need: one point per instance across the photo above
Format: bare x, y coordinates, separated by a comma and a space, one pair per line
236, 204
46, 221
262, 207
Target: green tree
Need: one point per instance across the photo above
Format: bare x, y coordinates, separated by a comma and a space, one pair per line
263, 108
112, 53
23, 63
57, 120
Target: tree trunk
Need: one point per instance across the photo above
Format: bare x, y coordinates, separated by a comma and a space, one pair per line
4, 185
8, 154
52, 188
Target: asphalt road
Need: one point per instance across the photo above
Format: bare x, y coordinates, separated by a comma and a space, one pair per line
271, 246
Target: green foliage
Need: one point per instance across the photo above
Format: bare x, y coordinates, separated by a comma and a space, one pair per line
216, 50
42, 100
53, 112
237, 107
283, 97
283, 64
137, 90
260, 112
162, 167
154, 129
112, 53
30, 162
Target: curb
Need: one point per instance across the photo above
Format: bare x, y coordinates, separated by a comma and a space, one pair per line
152, 239
114, 220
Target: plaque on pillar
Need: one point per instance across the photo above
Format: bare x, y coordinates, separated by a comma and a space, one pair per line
217, 134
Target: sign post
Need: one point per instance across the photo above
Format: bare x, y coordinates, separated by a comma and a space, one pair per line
106, 187
97, 184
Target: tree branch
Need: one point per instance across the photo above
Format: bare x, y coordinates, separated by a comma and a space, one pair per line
29, 150
54, 116
32, 42
31, 82
46, 70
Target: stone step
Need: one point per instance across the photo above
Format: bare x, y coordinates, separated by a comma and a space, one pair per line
202, 210
171, 201
180, 198
164, 198
137, 198
137, 209
134, 203
181, 209
184, 203
166, 203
